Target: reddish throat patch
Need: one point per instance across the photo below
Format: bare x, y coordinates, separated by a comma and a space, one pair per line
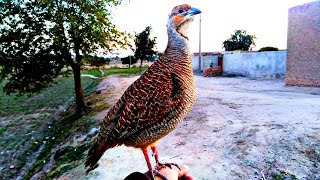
178, 19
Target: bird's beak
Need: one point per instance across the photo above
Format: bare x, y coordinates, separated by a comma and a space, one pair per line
193, 11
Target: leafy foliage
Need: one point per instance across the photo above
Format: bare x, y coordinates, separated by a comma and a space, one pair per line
144, 45
129, 60
38, 37
268, 48
27, 55
95, 60
86, 25
240, 40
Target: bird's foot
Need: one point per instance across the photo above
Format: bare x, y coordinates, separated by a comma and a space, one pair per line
154, 172
163, 165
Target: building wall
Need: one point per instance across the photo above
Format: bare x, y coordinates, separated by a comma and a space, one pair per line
195, 63
256, 64
303, 60
207, 58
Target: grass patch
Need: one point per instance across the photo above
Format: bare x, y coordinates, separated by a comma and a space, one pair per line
29, 123
58, 171
51, 98
93, 72
107, 72
65, 130
26, 121
74, 153
71, 157
62, 131
2, 130
283, 175
124, 71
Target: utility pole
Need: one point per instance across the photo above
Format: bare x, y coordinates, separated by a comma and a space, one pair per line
200, 45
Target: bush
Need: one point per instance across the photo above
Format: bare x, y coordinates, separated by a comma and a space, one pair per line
95, 60
268, 48
67, 73
240, 40
126, 60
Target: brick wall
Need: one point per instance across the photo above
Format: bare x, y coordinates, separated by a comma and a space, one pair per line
303, 54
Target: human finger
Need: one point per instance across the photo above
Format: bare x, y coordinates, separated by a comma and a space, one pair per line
183, 170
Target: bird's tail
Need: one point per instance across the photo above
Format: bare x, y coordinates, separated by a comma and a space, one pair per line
95, 153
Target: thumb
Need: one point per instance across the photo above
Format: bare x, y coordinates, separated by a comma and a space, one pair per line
183, 174
184, 170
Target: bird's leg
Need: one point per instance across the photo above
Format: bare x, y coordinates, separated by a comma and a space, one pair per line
161, 165
155, 153
153, 172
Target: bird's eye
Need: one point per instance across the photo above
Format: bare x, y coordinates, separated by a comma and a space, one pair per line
180, 11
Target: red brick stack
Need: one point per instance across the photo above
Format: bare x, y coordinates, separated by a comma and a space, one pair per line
212, 71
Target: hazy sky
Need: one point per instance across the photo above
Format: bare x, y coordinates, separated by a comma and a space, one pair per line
267, 19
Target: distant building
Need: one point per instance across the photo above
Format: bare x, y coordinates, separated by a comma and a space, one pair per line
303, 58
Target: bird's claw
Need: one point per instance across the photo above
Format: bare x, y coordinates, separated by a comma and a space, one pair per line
154, 172
163, 165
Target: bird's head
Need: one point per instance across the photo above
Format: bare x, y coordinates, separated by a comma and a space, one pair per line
180, 18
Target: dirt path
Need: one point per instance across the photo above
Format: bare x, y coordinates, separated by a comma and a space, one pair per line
238, 129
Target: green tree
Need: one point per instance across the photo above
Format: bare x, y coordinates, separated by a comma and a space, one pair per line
240, 40
129, 60
38, 38
144, 45
25, 50
95, 60
268, 48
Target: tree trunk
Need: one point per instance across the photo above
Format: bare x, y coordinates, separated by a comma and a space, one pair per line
74, 65
78, 88
77, 83
140, 68
77, 80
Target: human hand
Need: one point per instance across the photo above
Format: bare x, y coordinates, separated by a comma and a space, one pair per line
174, 173
171, 174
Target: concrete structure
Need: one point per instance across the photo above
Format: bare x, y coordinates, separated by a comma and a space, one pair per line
207, 58
256, 64
270, 64
303, 61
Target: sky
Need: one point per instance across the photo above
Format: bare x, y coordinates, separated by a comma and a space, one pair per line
266, 19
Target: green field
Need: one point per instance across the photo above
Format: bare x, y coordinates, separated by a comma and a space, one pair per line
26, 121
108, 72
42, 122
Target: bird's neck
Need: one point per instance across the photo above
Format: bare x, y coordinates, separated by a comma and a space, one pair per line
178, 55
179, 58
177, 41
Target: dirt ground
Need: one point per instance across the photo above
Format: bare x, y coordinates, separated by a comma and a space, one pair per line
238, 129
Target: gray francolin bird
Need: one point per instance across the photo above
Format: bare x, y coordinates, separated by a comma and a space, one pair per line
155, 103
